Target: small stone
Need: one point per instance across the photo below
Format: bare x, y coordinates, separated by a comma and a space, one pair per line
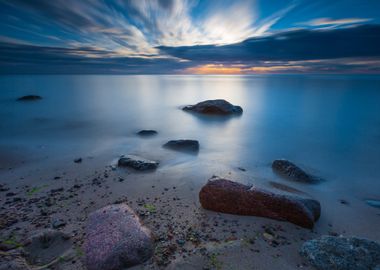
137, 163
78, 160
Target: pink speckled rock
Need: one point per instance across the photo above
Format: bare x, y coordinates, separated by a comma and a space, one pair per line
116, 239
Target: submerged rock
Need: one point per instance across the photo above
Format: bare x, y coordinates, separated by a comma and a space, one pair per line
116, 239
292, 172
373, 203
46, 246
137, 163
342, 253
183, 145
147, 132
29, 98
217, 106
226, 196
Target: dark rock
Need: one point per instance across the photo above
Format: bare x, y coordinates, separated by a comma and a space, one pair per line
78, 160
29, 98
292, 172
183, 145
373, 203
226, 196
137, 163
115, 239
217, 106
342, 253
46, 246
146, 132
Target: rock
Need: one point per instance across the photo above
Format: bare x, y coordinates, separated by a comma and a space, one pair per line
29, 98
78, 160
373, 203
115, 239
226, 196
58, 223
45, 246
217, 106
292, 172
183, 145
146, 132
342, 253
137, 163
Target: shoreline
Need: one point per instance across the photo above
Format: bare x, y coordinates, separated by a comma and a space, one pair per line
166, 200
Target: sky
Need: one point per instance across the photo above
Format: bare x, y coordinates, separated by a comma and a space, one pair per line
189, 36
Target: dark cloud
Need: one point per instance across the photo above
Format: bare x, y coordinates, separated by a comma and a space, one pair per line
21, 58
362, 41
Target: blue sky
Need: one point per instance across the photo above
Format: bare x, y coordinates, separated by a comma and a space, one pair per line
201, 37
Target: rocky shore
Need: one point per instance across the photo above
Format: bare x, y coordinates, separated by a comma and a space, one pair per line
139, 212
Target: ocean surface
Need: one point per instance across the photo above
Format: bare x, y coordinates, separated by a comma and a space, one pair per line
329, 125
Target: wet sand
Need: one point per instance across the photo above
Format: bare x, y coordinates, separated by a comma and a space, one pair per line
49, 187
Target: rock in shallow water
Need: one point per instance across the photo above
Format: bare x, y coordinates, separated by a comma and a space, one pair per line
226, 196
373, 203
29, 98
292, 172
183, 145
115, 239
342, 253
147, 132
137, 163
217, 106
45, 246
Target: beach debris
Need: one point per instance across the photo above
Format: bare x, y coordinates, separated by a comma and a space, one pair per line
216, 106
58, 223
292, 172
45, 246
137, 163
29, 98
78, 160
183, 145
373, 203
226, 196
342, 253
147, 132
115, 238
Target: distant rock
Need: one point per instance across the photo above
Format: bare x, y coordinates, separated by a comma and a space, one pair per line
137, 163
29, 98
217, 106
147, 133
78, 160
183, 145
373, 203
292, 172
45, 246
116, 239
226, 196
342, 253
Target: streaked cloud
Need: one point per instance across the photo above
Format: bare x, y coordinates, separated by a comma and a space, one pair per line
335, 22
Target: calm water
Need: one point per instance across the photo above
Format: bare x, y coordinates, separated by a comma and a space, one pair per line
328, 124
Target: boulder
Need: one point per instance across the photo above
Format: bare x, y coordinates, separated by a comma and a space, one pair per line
147, 132
226, 196
183, 145
292, 172
137, 163
116, 239
342, 253
45, 246
217, 106
29, 98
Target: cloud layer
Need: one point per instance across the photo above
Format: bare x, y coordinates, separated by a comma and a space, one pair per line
184, 36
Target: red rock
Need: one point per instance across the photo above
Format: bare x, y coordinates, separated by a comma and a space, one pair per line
226, 196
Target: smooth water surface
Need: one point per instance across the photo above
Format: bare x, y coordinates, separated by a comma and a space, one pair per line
327, 124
